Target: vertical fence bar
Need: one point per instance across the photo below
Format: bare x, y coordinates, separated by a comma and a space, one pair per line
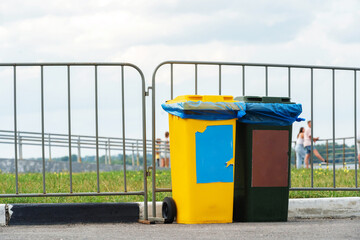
49, 146
355, 131
15, 136
79, 150
123, 123
172, 81
333, 123
327, 152
144, 147
97, 130
289, 173
312, 128
343, 153
20, 147
243, 80
196, 78
133, 155
296, 166
289, 81
137, 153
266, 81
109, 151
153, 172
219, 79
69, 127
42, 128
106, 152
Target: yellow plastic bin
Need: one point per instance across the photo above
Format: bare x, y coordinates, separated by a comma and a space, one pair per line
202, 162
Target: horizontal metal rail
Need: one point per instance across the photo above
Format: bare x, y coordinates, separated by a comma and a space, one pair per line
324, 189
291, 189
343, 153
79, 194
84, 141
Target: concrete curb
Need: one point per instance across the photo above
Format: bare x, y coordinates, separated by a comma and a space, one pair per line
324, 207
28, 214
303, 208
158, 210
2, 215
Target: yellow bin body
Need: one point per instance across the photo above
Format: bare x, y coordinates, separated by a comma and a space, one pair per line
202, 165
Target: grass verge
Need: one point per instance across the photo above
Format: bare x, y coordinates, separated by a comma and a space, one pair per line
114, 182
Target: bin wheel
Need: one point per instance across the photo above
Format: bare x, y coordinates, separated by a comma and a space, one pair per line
168, 210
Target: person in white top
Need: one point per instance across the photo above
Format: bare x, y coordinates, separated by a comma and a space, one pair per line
307, 145
299, 148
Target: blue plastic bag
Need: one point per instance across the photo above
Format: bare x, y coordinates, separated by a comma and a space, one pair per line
206, 110
274, 114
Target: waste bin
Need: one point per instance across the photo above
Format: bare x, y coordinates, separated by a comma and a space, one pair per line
202, 151
262, 162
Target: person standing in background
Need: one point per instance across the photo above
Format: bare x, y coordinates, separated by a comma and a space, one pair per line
157, 151
307, 145
299, 148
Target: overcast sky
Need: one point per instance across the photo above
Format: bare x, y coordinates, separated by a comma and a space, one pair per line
148, 32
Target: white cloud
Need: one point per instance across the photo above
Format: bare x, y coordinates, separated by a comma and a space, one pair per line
149, 32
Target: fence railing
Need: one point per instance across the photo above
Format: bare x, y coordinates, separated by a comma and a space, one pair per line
68, 67
265, 67
81, 142
344, 154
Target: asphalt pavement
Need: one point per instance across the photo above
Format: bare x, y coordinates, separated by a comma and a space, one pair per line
293, 229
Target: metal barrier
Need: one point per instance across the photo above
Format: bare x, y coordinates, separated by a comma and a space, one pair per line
68, 67
266, 67
124, 144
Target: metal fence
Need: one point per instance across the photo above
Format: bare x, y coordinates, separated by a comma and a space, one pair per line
69, 66
244, 67
124, 144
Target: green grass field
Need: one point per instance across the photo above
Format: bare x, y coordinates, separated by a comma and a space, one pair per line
114, 182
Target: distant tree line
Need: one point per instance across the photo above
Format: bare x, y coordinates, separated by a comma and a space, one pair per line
115, 159
349, 152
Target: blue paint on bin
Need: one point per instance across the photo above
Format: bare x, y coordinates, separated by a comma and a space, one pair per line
214, 148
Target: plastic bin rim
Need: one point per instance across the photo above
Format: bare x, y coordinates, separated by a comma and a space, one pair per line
263, 99
204, 98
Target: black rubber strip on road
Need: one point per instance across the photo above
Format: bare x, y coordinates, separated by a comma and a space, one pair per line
68, 213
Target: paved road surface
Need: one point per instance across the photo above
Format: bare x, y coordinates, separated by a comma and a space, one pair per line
294, 229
